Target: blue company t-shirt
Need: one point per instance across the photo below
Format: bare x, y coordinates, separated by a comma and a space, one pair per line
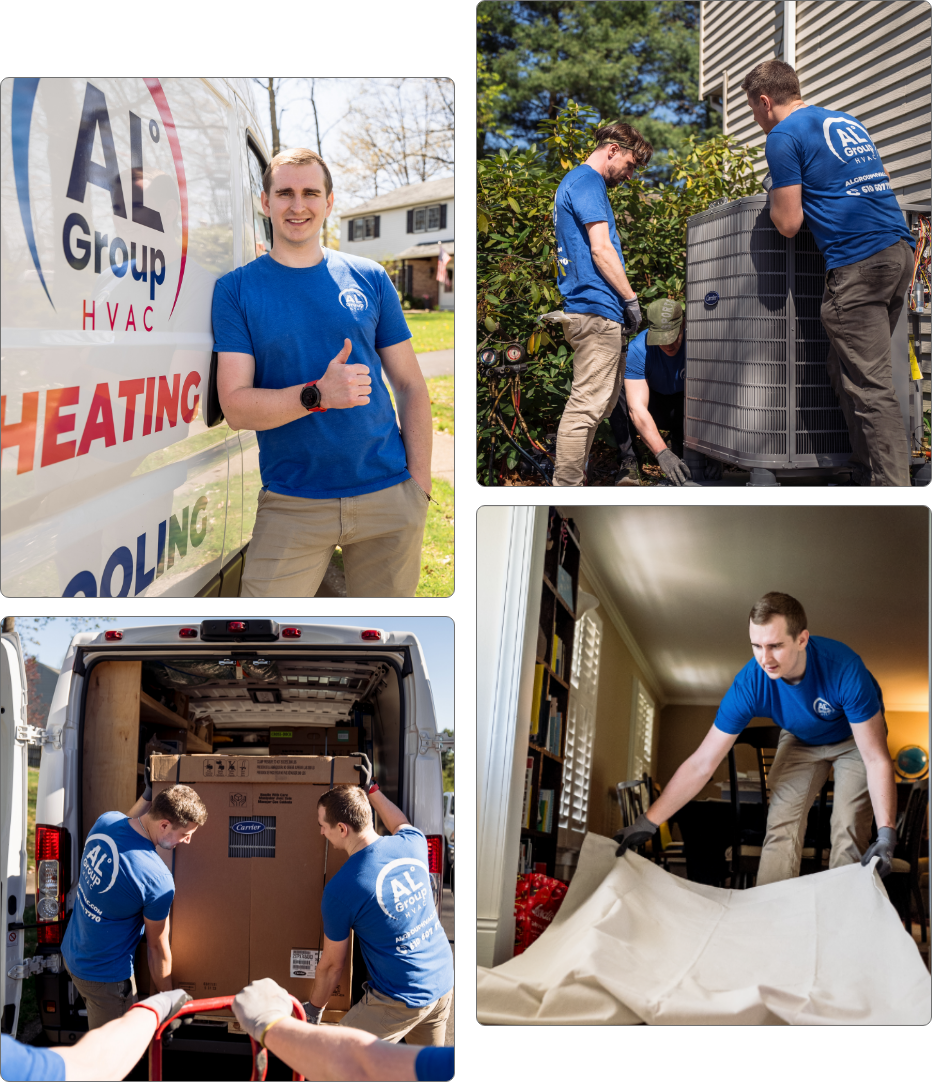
383, 893
432, 1064
582, 198
847, 200
123, 879
293, 321
836, 692
24, 1063
664, 374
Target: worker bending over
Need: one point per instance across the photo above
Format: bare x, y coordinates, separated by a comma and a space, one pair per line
382, 893
831, 712
826, 169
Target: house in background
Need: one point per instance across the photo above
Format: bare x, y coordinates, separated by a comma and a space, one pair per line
41, 680
407, 226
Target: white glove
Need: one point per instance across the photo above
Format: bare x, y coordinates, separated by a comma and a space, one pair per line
259, 1006
165, 1004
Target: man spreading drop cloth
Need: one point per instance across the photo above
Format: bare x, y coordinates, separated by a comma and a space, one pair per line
831, 712
303, 334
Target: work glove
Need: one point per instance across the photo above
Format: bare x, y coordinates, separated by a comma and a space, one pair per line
259, 1006
632, 315
165, 1004
882, 848
314, 1014
365, 771
147, 792
674, 467
640, 831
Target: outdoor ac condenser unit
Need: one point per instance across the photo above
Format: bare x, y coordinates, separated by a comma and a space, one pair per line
758, 394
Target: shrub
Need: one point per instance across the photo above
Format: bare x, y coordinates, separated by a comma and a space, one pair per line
516, 266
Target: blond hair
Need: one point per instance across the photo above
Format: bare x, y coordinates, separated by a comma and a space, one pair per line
297, 156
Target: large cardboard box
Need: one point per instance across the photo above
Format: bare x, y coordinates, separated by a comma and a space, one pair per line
342, 739
297, 740
248, 886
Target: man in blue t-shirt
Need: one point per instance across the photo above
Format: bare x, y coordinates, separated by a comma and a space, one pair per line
303, 337
653, 395
125, 892
383, 893
831, 712
598, 299
826, 169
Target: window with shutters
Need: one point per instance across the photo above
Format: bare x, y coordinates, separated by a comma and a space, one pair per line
580, 725
427, 219
364, 228
642, 732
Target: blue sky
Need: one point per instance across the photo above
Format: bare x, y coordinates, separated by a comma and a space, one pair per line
434, 632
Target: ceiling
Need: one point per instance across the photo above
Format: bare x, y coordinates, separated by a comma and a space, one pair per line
684, 579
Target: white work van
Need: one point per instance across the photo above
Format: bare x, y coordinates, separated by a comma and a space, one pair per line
124, 200
223, 688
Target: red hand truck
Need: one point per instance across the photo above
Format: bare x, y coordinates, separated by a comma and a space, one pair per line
260, 1057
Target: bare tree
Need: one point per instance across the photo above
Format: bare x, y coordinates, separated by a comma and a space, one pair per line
311, 87
273, 87
399, 131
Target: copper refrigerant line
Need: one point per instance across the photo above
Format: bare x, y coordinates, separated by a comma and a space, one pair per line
516, 359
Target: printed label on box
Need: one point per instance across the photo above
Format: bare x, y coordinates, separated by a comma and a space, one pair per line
226, 768
278, 766
275, 798
237, 800
304, 963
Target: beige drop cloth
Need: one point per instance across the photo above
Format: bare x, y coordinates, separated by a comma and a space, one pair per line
632, 943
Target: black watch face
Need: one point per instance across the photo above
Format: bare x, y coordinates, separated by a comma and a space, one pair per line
310, 397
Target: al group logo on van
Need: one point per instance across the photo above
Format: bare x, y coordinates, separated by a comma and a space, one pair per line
137, 247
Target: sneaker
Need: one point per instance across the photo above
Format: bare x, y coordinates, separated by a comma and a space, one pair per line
628, 473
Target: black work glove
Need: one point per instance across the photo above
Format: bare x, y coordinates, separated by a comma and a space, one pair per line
640, 831
147, 792
365, 770
632, 315
674, 467
314, 1014
882, 848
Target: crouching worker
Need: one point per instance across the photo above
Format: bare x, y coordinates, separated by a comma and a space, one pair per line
263, 1009
654, 395
109, 1052
125, 891
383, 894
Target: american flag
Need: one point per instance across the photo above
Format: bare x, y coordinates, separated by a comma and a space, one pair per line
443, 259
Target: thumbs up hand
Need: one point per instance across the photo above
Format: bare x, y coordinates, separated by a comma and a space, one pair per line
344, 385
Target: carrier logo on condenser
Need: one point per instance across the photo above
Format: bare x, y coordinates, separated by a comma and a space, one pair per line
137, 245
354, 299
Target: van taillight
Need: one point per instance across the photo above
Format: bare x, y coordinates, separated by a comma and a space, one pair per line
113, 636
50, 898
369, 635
435, 853
187, 633
236, 625
291, 633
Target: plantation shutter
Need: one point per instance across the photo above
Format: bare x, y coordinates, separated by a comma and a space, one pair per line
642, 732
375, 227
443, 215
580, 727
410, 228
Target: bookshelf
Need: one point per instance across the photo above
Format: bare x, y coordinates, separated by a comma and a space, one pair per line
547, 742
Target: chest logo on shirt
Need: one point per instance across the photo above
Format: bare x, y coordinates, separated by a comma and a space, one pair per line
849, 140
403, 889
823, 708
354, 299
96, 863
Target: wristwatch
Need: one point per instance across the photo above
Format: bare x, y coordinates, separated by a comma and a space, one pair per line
373, 788
310, 398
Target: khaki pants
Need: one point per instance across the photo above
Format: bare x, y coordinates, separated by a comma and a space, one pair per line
598, 376
380, 534
798, 773
105, 1001
391, 1019
860, 307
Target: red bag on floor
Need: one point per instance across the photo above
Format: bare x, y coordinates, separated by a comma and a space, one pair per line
537, 900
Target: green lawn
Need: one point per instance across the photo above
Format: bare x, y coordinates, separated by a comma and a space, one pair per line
440, 389
437, 556
431, 330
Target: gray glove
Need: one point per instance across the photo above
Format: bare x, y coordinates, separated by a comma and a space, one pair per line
314, 1014
165, 1004
259, 1006
882, 848
675, 468
365, 770
640, 831
632, 315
